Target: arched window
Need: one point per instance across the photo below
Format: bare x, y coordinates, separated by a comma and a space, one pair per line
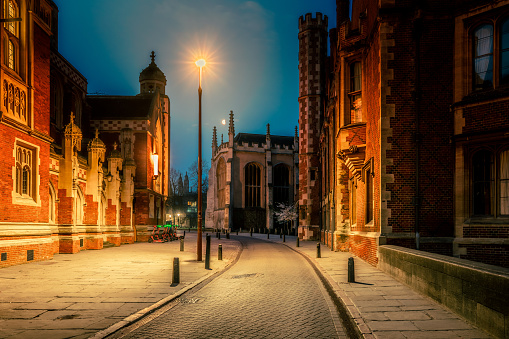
221, 182
483, 57
281, 180
252, 185
23, 185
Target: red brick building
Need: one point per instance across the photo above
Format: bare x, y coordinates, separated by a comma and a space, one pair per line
413, 127
77, 172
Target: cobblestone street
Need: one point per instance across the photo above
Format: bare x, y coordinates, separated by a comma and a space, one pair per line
270, 292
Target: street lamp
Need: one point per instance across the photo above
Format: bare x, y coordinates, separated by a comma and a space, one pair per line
178, 221
200, 63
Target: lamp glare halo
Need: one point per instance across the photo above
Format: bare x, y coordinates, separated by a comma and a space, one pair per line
200, 63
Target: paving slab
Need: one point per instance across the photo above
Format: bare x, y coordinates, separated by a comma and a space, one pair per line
381, 306
78, 295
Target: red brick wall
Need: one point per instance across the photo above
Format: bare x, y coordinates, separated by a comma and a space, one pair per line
125, 214
486, 117
365, 248
493, 254
91, 211
18, 254
65, 208
111, 213
41, 80
436, 155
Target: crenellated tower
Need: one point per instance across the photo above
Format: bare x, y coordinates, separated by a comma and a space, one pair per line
312, 58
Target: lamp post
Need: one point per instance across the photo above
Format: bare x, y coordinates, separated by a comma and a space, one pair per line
178, 221
200, 63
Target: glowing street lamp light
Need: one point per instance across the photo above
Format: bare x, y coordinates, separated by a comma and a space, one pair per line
200, 63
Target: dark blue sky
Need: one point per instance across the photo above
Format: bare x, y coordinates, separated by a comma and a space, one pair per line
251, 48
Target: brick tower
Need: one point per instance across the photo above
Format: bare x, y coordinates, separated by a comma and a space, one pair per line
312, 59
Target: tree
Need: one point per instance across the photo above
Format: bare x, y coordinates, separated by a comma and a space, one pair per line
174, 177
286, 213
193, 176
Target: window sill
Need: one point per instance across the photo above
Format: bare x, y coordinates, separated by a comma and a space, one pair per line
24, 200
487, 220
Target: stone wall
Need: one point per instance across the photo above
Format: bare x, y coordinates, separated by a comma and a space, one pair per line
476, 291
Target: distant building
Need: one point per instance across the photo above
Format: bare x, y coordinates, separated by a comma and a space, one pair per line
404, 128
77, 172
249, 175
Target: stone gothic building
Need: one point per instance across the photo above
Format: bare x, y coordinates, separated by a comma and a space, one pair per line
249, 175
404, 128
77, 171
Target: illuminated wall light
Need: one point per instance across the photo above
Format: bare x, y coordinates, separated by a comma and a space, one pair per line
155, 160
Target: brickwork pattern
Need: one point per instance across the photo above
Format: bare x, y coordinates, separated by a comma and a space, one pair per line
486, 117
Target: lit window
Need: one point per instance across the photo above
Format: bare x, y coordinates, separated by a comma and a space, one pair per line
252, 185
12, 51
483, 57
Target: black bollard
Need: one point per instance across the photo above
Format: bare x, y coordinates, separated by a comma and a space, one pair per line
184, 233
251, 232
207, 253
176, 271
297, 241
332, 243
318, 254
351, 270
227, 235
268, 235
219, 235
284, 237
220, 252
237, 232
181, 245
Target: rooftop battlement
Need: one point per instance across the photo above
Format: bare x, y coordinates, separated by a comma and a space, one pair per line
308, 22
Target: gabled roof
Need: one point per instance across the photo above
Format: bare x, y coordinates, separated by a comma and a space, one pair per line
120, 107
261, 139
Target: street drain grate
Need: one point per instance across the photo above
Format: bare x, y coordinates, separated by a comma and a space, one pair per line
249, 275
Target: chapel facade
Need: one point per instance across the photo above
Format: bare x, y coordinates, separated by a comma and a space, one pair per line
250, 174
77, 171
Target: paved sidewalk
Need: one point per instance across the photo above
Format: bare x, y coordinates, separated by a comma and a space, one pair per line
80, 294
381, 306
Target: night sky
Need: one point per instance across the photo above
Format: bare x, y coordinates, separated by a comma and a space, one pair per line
251, 48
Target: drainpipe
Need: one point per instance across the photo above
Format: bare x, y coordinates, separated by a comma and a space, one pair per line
418, 138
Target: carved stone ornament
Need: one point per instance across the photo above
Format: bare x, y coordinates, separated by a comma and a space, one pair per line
73, 132
353, 149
